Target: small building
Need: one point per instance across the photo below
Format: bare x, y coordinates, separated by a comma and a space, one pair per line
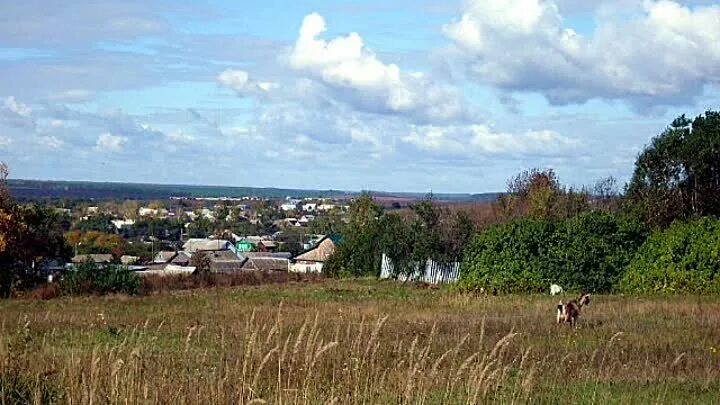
171, 257
244, 245
267, 246
164, 256
207, 245
122, 223
95, 258
313, 259
225, 262
266, 263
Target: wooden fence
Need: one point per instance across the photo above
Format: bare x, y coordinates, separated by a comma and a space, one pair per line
433, 273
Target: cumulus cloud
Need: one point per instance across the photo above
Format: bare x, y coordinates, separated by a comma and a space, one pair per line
50, 141
179, 137
15, 107
470, 140
346, 65
665, 54
108, 142
5, 142
240, 82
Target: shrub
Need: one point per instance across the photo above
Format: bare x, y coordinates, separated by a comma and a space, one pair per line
684, 258
89, 278
589, 252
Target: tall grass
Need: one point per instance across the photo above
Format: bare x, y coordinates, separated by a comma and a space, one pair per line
354, 343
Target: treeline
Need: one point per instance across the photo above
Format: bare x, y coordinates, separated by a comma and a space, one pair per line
409, 238
658, 235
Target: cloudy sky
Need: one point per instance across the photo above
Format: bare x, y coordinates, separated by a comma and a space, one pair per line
404, 95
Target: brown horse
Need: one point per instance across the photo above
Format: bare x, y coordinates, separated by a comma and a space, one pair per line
570, 312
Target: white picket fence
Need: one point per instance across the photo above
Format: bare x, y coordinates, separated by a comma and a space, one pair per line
434, 273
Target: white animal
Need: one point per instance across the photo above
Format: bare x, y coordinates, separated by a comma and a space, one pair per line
555, 289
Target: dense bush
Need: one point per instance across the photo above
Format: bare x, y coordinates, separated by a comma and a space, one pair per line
684, 258
89, 278
589, 252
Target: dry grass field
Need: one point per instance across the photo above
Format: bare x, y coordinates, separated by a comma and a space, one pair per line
353, 342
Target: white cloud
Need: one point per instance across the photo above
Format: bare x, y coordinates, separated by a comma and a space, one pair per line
664, 54
5, 142
240, 82
346, 64
18, 108
470, 140
179, 137
51, 142
111, 143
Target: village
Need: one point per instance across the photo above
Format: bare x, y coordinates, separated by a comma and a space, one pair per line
185, 235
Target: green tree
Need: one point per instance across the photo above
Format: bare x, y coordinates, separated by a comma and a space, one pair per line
685, 258
359, 252
677, 176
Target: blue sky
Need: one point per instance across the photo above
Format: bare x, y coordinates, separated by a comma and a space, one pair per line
449, 96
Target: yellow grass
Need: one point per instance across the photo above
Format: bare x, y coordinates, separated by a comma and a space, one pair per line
356, 342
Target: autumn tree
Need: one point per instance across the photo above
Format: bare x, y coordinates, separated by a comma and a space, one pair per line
538, 194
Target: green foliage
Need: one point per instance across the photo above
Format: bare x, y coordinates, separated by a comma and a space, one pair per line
677, 176
359, 253
589, 252
428, 233
96, 223
89, 278
685, 258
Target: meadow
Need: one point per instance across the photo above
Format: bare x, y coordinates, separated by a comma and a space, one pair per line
353, 342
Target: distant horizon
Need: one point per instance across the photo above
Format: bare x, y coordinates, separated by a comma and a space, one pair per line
13, 183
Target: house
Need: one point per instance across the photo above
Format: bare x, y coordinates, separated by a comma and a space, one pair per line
266, 263
267, 246
164, 256
313, 259
225, 261
305, 220
120, 223
95, 258
325, 207
168, 270
288, 207
171, 257
207, 245
309, 207
244, 245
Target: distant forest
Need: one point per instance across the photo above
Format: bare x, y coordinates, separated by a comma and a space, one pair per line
40, 189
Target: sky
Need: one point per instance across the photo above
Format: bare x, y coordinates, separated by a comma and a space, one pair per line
421, 95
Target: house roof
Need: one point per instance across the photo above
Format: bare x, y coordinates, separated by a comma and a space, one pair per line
225, 261
96, 258
266, 263
276, 255
180, 258
200, 245
320, 252
164, 256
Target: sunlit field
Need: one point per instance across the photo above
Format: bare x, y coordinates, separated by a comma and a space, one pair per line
351, 342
